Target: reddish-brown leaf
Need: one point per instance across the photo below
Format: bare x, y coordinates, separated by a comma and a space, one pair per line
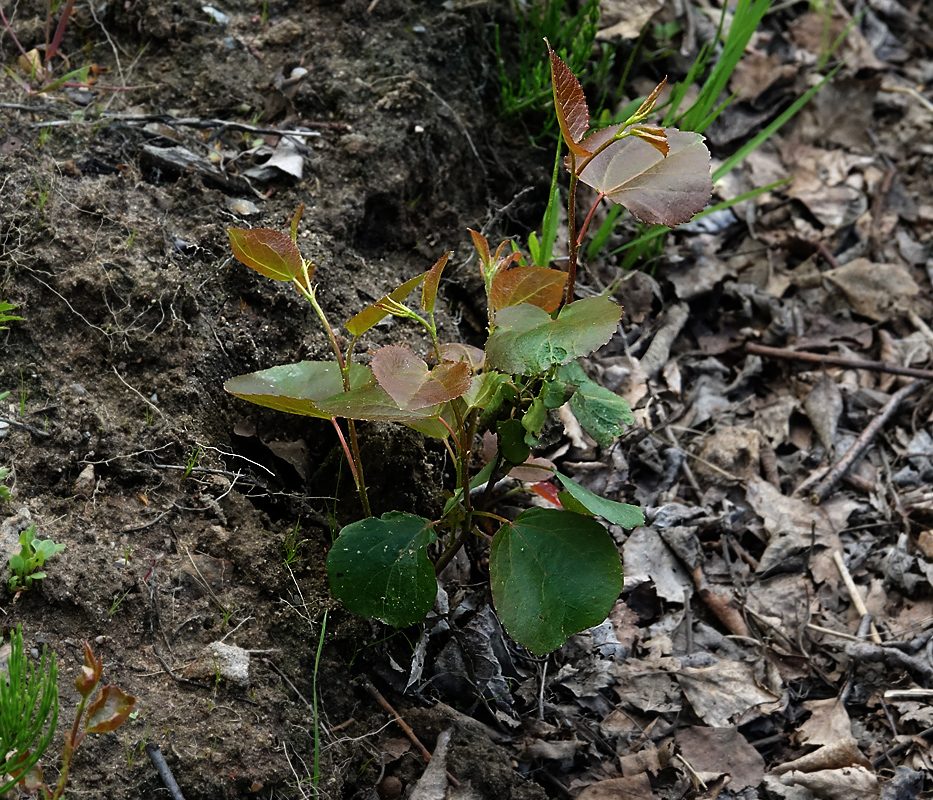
407, 380
647, 107
657, 189
431, 283
90, 672
109, 711
540, 287
573, 116
656, 137
270, 252
481, 245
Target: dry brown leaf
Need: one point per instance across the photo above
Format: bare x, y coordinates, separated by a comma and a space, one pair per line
637, 787
824, 407
876, 291
830, 728
726, 693
722, 751
850, 783
648, 759
735, 450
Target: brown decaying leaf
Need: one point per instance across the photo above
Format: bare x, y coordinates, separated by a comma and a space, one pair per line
636, 787
828, 727
406, 379
722, 750
657, 189
540, 287
824, 407
573, 116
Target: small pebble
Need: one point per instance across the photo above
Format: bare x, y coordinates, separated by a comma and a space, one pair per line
216, 16
241, 207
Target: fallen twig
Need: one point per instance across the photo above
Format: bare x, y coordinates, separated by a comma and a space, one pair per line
837, 361
861, 444
425, 754
26, 426
175, 677
855, 594
867, 652
158, 761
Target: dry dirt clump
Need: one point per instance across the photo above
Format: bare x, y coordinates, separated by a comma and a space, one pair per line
764, 646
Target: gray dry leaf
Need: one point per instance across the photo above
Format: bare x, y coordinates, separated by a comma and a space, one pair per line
849, 783
824, 407
726, 693
794, 524
722, 751
432, 785
626, 18
876, 291
647, 558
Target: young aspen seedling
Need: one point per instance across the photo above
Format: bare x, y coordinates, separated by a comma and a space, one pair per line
553, 571
29, 713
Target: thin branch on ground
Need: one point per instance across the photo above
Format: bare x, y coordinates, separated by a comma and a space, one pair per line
861, 444
25, 426
425, 754
837, 361
855, 593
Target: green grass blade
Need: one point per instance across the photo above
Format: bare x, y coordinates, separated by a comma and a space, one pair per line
656, 231
551, 217
756, 141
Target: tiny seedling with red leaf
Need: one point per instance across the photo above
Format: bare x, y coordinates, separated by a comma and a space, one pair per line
553, 571
104, 713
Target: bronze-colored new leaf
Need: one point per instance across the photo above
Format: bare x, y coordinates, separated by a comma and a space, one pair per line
655, 188
109, 711
407, 380
432, 282
373, 314
648, 106
90, 672
656, 137
573, 115
271, 253
537, 286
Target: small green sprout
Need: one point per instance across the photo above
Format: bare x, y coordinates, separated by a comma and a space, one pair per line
4, 317
25, 565
4, 490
